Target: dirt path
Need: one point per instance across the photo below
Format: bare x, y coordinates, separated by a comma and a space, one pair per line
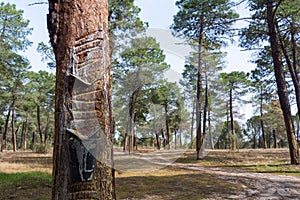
256, 185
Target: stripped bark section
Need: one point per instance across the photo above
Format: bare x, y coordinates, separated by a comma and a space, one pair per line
83, 149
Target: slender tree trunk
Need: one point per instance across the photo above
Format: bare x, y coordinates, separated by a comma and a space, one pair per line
275, 139
175, 139
254, 141
298, 130
291, 67
205, 109
233, 137
226, 139
163, 137
180, 138
47, 128
83, 155
167, 126
133, 99
199, 136
281, 85
157, 141
4, 134
24, 135
269, 140
261, 121
192, 123
38, 112
14, 138
32, 143
126, 138
209, 131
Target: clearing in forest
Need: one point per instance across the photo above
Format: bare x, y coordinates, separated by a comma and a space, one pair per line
222, 174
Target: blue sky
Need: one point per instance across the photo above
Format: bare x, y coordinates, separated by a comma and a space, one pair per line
159, 14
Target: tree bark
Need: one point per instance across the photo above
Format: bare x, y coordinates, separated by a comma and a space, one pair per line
3, 143
133, 99
275, 139
233, 139
163, 137
32, 140
192, 124
281, 85
292, 66
82, 158
14, 138
205, 109
262, 122
38, 114
209, 130
167, 126
46, 132
157, 141
24, 135
199, 136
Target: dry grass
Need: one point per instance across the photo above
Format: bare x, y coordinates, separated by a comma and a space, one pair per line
19, 179
25, 162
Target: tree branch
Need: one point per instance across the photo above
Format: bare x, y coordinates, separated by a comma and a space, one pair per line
38, 3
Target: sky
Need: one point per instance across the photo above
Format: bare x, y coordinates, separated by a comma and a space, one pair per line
158, 13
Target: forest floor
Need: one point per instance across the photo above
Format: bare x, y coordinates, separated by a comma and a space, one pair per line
222, 174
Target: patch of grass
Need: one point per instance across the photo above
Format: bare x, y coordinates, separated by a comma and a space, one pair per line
259, 160
171, 183
273, 168
25, 186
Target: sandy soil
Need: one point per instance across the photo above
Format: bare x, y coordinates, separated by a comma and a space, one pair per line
256, 185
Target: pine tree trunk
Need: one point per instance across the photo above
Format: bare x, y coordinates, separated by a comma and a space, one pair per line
275, 139
24, 135
262, 122
83, 160
133, 99
157, 141
192, 123
167, 126
4, 134
205, 109
233, 137
291, 66
199, 136
209, 130
46, 132
38, 114
14, 138
163, 137
32, 143
281, 85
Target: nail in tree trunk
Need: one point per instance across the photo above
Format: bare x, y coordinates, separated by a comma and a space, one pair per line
281, 84
82, 159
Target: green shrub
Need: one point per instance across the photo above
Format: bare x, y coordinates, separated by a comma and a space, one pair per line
42, 148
